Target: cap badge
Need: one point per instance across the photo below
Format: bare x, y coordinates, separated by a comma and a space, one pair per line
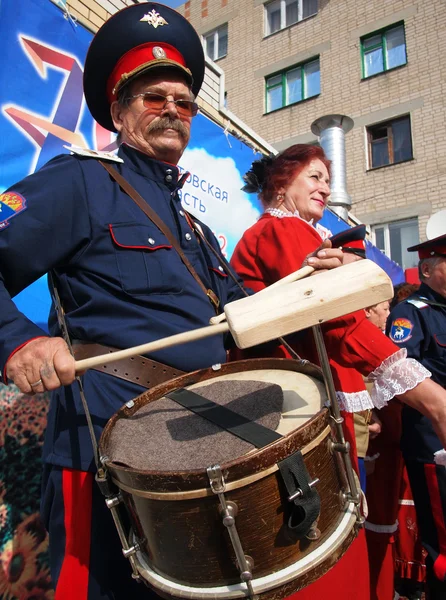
154, 18
158, 52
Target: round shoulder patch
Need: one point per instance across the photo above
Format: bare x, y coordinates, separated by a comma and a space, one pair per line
401, 330
11, 204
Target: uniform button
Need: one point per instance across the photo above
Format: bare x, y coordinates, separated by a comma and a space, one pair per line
151, 241
181, 213
220, 268
169, 178
188, 237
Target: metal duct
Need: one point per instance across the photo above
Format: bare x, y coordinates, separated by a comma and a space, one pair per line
331, 130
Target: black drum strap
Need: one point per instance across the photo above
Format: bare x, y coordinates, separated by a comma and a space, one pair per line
306, 504
254, 433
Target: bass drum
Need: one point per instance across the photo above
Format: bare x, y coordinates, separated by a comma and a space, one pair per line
158, 455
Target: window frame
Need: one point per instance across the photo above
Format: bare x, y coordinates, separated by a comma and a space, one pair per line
283, 85
216, 35
383, 44
386, 235
390, 143
283, 25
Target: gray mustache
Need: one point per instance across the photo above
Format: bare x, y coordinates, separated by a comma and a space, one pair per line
166, 123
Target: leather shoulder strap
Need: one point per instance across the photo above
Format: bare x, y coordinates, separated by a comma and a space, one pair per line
139, 200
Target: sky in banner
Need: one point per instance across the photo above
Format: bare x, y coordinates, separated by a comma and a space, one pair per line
173, 3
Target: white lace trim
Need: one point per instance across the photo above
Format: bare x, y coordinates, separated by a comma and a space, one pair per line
280, 214
440, 457
354, 401
381, 528
396, 375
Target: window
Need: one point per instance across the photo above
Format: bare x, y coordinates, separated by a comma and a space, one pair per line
394, 238
291, 86
216, 42
383, 50
283, 13
389, 142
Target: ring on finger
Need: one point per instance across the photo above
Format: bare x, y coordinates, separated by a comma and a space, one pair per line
36, 383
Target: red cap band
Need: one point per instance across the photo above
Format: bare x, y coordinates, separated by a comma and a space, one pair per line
354, 244
429, 252
139, 58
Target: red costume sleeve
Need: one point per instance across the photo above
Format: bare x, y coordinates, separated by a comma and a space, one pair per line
275, 247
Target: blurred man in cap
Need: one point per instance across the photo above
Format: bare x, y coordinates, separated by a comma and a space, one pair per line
418, 324
122, 279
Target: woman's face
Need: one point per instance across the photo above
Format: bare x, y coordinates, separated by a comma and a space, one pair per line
309, 191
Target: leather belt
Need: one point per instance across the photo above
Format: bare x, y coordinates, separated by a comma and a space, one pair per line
137, 369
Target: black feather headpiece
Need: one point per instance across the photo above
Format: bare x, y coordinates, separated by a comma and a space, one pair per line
255, 178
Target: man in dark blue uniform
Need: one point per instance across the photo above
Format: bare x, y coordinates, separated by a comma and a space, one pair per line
419, 325
121, 281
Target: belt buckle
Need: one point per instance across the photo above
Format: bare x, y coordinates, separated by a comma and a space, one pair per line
214, 299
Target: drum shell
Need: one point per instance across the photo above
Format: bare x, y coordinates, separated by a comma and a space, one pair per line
176, 517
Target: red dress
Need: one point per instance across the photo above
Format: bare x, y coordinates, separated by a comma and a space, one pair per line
268, 251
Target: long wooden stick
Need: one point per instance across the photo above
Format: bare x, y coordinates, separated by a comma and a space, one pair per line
285, 309
295, 276
167, 342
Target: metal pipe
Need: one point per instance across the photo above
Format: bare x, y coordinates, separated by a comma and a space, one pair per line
331, 130
337, 419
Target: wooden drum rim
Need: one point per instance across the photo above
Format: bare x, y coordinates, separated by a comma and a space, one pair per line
233, 485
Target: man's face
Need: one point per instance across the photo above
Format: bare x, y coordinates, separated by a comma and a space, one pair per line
162, 134
435, 276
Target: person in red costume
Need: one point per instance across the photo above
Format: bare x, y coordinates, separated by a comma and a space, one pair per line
294, 188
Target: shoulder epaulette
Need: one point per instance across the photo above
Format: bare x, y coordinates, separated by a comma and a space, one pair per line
417, 302
100, 155
422, 302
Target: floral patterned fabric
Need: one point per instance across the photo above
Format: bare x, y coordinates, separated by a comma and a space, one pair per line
24, 566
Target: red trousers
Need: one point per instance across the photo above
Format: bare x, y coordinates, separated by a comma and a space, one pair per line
392, 534
347, 580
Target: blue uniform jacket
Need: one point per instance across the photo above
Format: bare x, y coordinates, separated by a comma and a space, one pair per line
421, 328
120, 281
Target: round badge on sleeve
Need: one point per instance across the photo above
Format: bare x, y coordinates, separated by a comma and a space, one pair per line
401, 330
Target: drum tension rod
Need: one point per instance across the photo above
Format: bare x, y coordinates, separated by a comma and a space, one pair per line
343, 447
229, 511
112, 502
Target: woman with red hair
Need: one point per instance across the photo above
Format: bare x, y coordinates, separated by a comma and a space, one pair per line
294, 188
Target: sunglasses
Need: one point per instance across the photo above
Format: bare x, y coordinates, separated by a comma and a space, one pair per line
158, 102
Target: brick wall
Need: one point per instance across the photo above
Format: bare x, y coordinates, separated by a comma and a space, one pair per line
396, 192
93, 13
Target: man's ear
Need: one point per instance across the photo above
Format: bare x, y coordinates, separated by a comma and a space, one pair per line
426, 270
116, 111
367, 312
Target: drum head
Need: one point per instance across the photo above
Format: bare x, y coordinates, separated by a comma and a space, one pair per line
163, 436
